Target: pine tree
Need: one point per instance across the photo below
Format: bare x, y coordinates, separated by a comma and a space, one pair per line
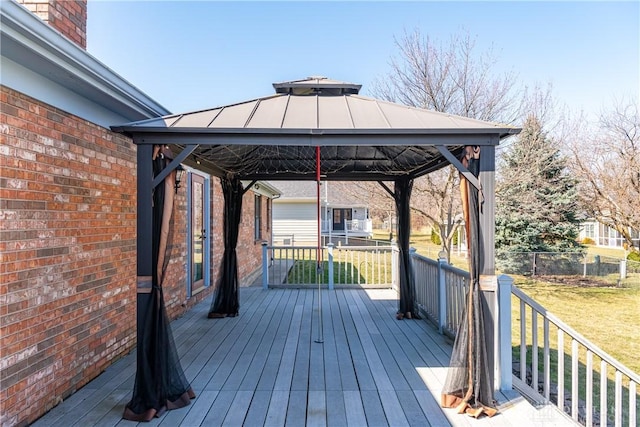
536, 198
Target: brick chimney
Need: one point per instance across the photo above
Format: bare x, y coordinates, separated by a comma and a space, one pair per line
67, 16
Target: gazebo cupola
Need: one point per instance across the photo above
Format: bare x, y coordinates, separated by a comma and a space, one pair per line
317, 85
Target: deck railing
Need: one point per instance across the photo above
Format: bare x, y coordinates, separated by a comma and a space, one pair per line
562, 370
559, 371
440, 292
362, 266
359, 226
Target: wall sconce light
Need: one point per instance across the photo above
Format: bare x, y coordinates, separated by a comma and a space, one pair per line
179, 175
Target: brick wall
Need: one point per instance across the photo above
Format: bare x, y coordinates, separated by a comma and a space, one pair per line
174, 288
67, 16
250, 250
68, 254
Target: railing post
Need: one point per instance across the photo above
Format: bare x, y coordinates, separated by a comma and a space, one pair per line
265, 267
346, 232
412, 254
623, 269
442, 294
394, 264
330, 262
503, 368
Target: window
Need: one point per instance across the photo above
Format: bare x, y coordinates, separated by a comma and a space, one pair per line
590, 230
268, 214
258, 217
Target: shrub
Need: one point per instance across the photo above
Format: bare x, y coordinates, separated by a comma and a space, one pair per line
454, 241
513, 262
634, 256
435, 237
588, 241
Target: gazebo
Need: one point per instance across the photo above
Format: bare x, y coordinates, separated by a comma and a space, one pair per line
311, 128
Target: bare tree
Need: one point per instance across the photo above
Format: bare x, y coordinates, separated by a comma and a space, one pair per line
448, 78
607, 161
453, 78
381, 205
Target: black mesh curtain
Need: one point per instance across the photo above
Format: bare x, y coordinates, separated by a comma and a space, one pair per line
467, 387
160, 381
225, 300
402, 195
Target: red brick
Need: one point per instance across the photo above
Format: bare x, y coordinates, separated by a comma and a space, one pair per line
68, 241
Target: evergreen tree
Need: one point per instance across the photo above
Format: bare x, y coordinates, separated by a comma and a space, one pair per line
536, 198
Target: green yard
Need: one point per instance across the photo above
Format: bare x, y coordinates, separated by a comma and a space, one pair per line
607, 316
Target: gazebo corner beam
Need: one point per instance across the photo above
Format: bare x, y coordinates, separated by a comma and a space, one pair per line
387, 189
458, 165
174, 164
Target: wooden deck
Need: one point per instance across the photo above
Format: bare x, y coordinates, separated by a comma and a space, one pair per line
265, 368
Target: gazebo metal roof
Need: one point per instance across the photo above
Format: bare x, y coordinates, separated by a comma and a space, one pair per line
274, 137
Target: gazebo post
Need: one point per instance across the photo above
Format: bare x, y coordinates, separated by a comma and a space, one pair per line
488, 278
144, 227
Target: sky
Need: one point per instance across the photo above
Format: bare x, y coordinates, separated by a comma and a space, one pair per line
196, 55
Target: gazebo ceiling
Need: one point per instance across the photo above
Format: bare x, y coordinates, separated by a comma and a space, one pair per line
274, 137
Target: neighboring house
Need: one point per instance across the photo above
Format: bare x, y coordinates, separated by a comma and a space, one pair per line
68, 213
295, 214
604, 235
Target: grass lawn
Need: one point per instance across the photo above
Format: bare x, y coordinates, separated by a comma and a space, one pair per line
607, 316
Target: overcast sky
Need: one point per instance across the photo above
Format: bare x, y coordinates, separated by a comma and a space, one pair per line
195, 55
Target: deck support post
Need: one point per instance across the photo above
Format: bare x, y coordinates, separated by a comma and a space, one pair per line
503, 367
442, 295
488, 265
144, 232
330, 264
265, 266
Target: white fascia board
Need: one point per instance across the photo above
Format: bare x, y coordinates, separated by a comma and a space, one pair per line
263, 188
36, 46
312, 200
23, 80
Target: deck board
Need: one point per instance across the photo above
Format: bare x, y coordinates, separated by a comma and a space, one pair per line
354, 408
264, 367
336, 410
301, 364
277, 412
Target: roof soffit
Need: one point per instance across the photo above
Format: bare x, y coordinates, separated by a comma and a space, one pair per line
32, 43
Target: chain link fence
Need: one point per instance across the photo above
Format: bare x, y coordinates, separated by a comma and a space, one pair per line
612, 270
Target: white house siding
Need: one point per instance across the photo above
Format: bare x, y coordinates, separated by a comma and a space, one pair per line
605, 236
297, 221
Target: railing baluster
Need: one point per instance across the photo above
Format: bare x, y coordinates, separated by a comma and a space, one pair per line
351, 253
523, 341
632, 404
534, 349
574, 379
346, 266
603, 392
547, 361
366, 265
589, 389
560, 402
618, 399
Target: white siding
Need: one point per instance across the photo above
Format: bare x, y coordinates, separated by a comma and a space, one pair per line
359, 213
295, 219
